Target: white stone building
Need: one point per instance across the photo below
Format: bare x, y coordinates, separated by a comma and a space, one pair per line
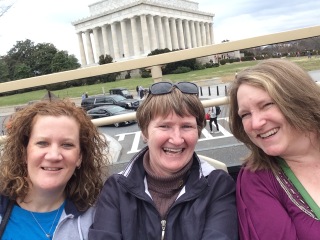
127, 29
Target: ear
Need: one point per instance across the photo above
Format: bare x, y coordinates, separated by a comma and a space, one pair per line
78, 164
144, 138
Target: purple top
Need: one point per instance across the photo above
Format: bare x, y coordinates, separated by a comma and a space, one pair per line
269, 207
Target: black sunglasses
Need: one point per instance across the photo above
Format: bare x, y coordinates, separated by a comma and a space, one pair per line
166, 87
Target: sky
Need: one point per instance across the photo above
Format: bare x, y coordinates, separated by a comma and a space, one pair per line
49, 21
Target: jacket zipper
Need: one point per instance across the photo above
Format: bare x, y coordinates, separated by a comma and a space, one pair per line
164, 222
163, 225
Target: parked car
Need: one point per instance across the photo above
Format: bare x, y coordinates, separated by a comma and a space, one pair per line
121, 91
97, 101
110, 110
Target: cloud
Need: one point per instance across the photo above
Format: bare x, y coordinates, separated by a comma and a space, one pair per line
239, 19
50, 20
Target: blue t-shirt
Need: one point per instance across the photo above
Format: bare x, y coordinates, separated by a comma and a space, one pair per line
22, 225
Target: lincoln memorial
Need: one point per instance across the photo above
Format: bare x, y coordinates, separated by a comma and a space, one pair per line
127, 29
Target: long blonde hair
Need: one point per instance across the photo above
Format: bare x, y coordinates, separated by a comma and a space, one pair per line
294, 92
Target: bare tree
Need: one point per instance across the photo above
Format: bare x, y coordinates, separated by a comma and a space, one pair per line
5, 6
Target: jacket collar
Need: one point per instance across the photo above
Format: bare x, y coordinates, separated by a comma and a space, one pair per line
132, 177
70, 208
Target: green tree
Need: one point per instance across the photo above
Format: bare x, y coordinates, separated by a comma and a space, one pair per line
159, 51
62, 61
73, 62
42, 57
20, 54
22, 70
172, 67
111, 77
26, 60
4, 71
105, 59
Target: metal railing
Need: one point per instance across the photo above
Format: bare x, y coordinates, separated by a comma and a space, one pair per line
155, 62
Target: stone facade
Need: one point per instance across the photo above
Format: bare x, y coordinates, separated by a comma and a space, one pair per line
127, 29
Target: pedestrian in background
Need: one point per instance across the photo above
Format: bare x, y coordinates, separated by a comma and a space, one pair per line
214, 112
141, 92
83, 96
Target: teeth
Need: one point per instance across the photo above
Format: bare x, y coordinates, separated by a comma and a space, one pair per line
268, 134
51, 169
172, 150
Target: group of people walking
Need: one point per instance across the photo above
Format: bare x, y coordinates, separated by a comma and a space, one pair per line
54, 163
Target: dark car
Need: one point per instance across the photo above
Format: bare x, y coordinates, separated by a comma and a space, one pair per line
110, 110
92, 102
121, 91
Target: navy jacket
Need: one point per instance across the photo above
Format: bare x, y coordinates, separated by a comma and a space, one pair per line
204, 209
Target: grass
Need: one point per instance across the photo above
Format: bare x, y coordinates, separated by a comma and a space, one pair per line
224, 72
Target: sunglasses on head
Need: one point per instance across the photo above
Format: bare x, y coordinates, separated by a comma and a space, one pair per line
166, 87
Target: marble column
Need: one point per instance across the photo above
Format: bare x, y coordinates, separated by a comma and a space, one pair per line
208, 41
198, 34
135, 39
211, 33
181, 34
82, 52
145, 34
89, 47
193, 35
124, 39
174, 33
105, 40
153, 37
96, 42
160, 31
168, 34
115, 43
203, 34
187, 33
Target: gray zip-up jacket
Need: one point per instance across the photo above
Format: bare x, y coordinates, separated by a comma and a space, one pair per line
73, 224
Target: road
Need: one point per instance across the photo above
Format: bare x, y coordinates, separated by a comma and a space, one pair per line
222, 146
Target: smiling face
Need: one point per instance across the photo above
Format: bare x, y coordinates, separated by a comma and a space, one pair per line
264, 123
171, 142
53, 152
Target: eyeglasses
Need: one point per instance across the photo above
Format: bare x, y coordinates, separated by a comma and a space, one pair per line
166, 87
